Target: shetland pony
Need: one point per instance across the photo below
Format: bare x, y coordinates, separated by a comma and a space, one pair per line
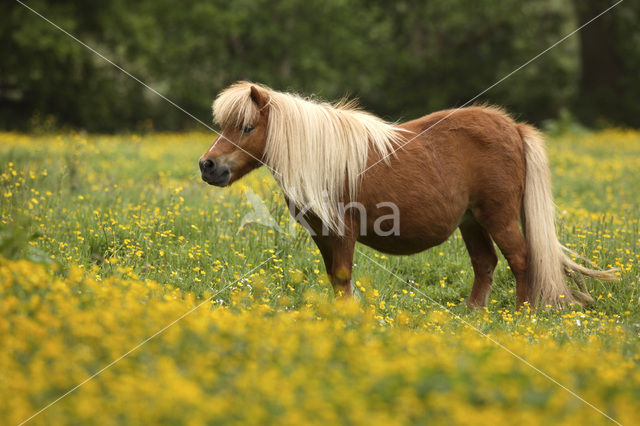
472, 168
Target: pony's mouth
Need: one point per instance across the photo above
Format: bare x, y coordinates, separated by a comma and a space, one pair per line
220, 177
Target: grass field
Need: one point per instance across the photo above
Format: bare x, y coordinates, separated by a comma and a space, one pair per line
105, 240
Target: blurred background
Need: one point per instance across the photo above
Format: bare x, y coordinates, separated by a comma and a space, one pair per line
402, 59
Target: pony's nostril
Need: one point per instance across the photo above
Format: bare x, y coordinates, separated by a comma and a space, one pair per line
206, 165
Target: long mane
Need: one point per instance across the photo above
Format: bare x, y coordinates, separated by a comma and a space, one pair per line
317, 149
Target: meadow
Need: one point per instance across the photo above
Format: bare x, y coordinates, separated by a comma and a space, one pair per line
107, 240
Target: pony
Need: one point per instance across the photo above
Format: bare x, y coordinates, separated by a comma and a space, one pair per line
471, 168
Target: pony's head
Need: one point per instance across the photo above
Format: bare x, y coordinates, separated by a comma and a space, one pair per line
242, 113
316, 151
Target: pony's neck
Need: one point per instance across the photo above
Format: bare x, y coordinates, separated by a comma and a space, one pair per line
320, 150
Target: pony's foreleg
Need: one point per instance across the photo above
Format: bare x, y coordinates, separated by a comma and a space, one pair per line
323, 244
337, 253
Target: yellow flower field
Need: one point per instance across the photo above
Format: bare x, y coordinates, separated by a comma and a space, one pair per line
250, 363
114, 254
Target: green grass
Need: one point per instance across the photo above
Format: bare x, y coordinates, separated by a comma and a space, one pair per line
135, 206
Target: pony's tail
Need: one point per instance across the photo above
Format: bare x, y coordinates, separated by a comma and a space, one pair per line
547, 261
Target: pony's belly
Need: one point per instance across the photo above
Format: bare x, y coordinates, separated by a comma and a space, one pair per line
415, 229
400, 244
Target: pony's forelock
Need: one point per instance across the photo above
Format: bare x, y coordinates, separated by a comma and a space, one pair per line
317, 149
234, 107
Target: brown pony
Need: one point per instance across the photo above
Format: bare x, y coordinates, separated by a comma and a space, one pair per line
412, 184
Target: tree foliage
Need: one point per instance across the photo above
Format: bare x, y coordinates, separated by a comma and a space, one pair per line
402, 59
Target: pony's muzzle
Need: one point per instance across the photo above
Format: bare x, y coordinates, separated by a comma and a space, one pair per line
214, 174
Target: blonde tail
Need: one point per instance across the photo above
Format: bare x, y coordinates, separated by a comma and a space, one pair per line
547, 261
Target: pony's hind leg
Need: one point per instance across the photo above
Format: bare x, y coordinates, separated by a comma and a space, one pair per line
483, 259
505, 231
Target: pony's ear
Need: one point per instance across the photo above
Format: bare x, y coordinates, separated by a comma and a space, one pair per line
259, 97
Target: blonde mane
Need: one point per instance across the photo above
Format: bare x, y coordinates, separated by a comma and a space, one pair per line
317, 149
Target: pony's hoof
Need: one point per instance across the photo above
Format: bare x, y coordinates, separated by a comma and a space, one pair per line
475, 304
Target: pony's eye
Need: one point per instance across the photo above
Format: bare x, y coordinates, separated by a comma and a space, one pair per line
247, 129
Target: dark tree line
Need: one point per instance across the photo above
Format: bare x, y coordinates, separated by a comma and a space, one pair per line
401, 58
